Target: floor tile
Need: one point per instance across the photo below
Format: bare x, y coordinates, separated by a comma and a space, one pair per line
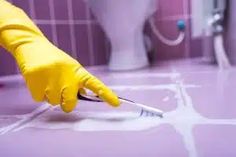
215, 140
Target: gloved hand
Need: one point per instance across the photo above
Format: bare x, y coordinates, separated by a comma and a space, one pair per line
50, 74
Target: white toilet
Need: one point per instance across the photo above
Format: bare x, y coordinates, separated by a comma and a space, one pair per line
123, 22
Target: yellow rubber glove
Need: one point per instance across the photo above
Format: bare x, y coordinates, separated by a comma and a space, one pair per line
50, 74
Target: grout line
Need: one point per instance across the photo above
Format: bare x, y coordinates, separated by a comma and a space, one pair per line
188, 137
26, 119
72, 29
90, 38
182, 90
32, 9
184, 104
53, 24
66, 22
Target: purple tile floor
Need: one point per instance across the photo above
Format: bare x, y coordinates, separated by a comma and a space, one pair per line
199, 119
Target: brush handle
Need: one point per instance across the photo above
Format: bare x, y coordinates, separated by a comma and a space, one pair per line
145, 107
122, 100
97, 99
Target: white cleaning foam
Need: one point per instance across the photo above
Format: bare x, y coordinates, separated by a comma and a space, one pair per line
183, 118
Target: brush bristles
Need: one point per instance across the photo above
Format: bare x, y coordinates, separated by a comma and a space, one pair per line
145, 113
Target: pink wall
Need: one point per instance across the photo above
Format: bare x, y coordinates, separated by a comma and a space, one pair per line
71, 26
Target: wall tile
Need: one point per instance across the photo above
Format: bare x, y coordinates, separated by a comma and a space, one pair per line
7, 63
64, 39
42, 10
167, 8
79, 10
61, 11
187, 49
81, 35
169, 30
99, 45
164, 52
196, 47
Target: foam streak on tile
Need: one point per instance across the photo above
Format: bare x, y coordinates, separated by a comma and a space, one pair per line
185, 117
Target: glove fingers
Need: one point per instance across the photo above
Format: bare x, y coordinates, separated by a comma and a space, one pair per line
92, 83
53, 96
82, 91
69, 98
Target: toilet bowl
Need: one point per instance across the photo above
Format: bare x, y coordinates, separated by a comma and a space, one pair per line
123, 22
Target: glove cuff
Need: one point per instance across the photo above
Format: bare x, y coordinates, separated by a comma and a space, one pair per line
16, 28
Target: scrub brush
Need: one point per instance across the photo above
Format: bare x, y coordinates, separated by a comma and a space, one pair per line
145, 110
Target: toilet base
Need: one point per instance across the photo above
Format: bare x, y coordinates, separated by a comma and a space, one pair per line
129, 61
128, 51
